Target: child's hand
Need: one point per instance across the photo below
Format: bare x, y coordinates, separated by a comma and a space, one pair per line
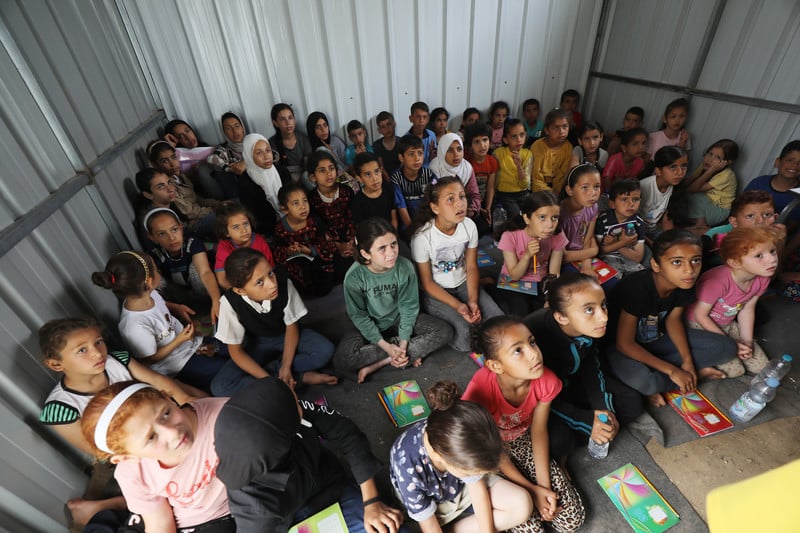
471, 314
345, 249
305, 250
745, 350
187, 334
685, 379
361, 148
533, 247
182, 312
629, 240
214, 311
516, 158
285, 375
546, 501
171, 139
586, 268
379, 517
683, 138
602, 433
209, 350
399, 357
609, 239
779, 230
238, 168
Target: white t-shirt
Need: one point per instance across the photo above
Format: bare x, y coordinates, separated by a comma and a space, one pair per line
231, 331
654, 202
146, 331
446, 253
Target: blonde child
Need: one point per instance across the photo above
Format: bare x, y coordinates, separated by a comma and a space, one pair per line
444, 244
579, 215
673, 131
514, 167
588, 149
727, 295
552, 153
517, 389
712, 187
235, 229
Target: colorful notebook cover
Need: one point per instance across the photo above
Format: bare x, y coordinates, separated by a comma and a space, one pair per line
603, 270
525, 287
484, 259
699, 412
638, 500
404, 403
329, 520
478, 359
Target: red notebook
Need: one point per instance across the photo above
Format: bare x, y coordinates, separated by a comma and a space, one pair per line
699, 412
603, 270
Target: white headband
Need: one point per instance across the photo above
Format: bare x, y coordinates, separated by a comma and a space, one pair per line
101, 430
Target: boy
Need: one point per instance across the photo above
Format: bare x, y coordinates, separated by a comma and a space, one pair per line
412, 177
619, 230
331, 200
569, 101
419, 120
634, 118
533, 126
629, 161
470, 116
373, 200
477, 139
357, 134
386, 147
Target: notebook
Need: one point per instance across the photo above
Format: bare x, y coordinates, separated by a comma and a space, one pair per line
702, 415
329, 520
637, 499
404, 403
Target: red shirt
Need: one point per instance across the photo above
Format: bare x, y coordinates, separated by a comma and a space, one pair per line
226, 247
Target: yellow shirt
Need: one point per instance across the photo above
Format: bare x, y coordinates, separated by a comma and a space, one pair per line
550, 166
507, 176
724, 184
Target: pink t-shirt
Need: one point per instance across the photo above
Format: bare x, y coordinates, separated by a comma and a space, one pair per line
226, 247
615, 170
717, 287
192, 488
511, 421
517, 241
658, 139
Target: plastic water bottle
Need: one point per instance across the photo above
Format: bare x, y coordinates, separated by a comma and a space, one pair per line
753, 401
499, 217
595, 449
776, 368
630, 229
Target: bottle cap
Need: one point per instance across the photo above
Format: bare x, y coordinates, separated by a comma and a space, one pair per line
773, 382
602, 417
786, 357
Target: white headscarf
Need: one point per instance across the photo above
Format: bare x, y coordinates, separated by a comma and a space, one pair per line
267, 178
442, 168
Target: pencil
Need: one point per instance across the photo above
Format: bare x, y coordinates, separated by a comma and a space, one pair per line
535, 266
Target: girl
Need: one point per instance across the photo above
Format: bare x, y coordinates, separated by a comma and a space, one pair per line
588, 149
671, 163
727, 295
260, 184
293, 146
444, 244
228, 155
155, 337
165, 456
258, 321
196, 209
321, 138
182, 262
579, 215
532, 249
712, 187
653, 352
450, 161
331, 202
303, 246
382, 300
498, 113
552, 153
672, 132
513, 181
443, 467
516, 388
438, 124
235, 230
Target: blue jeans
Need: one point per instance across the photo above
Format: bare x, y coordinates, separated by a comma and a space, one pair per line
313, 352
200, 370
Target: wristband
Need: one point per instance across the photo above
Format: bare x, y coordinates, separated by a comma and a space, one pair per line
372, 500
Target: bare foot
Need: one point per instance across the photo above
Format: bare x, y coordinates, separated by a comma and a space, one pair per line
711, 373
318, 378
416, 362
656, 400
83, 510
369, 369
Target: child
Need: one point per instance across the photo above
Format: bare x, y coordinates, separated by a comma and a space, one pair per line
260, 184
672, 132
532, 249
517, 389
331, 202
419, 122
712, 187
193, 154
307, 250
750, 209
569, 102
633, 119
651, 349
438, 123
373, 200
444, 244
569, 332
588, 149
485, 165
235, 230
156, 337
727, 295
198, 211
182, 262
619, 230
514, 167
498, 113
780, 183
228, 155
670, 163
412, 178
357, 134
551, 153
321, 138
443, 469
386, 147
156, 190
382, 300
627, 162
450, 162
533, 124
293, 146
258, 321
579, 217
469, 117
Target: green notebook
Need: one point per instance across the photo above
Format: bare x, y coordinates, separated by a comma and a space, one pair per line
329, 520
638, 500
404, 403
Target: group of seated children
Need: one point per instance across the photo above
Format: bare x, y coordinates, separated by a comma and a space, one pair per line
397, 224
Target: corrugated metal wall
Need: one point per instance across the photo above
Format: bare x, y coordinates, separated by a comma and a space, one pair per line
354, 58
751, 52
